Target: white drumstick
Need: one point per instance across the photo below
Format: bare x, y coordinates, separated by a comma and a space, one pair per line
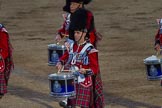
59, 70
76, 70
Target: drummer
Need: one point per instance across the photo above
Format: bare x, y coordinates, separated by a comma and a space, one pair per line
158, 36
63, 31
70, 7
83, 57
6, 56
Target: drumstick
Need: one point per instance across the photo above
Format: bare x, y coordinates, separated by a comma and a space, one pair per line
158, 52
58, 70
66, 70
65, 35
72, 70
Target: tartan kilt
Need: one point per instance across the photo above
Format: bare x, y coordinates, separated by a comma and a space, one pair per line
3, 84
98, 92
84, 97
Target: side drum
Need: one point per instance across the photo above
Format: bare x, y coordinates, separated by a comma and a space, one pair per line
62, 85
154, 69
55, 51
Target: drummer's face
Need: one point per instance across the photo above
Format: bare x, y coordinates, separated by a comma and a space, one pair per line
74, 6
79, 36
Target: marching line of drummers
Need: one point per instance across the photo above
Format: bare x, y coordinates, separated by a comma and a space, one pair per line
78, 78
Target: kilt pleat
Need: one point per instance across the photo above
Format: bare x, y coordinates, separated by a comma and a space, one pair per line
83, 97
89, 97
3, 86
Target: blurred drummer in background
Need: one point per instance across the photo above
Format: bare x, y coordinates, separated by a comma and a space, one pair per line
6, 63
158, 36
70, 7
83, 58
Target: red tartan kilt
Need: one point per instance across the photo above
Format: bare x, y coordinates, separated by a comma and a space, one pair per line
83, 97
3, 86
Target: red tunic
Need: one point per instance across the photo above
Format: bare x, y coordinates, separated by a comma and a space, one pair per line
91, 27
158, 38
4, 48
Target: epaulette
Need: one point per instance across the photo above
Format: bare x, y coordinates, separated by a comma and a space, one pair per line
93, 51
89, 48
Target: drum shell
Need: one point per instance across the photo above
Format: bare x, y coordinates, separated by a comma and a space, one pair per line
66, 88
153, 69
59, 49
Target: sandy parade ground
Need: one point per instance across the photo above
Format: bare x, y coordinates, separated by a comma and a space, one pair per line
128, 28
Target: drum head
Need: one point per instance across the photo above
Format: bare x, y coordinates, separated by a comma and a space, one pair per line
60, 76
56, 47
152, 60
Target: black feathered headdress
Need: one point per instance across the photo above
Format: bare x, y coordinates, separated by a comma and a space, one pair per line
82, 1
79, 20
66, 8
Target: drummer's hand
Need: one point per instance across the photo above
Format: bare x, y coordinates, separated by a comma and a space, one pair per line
82, 71
59, 66
157, 47
58, 38
67, 45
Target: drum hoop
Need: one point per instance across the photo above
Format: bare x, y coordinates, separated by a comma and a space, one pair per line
152, 62
72, 94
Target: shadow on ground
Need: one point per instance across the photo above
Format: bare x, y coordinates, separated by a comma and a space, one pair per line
110, 99
127, 103
34, 96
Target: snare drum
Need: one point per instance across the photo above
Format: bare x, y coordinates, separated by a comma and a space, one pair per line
55, 51
62, 85
153, 68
